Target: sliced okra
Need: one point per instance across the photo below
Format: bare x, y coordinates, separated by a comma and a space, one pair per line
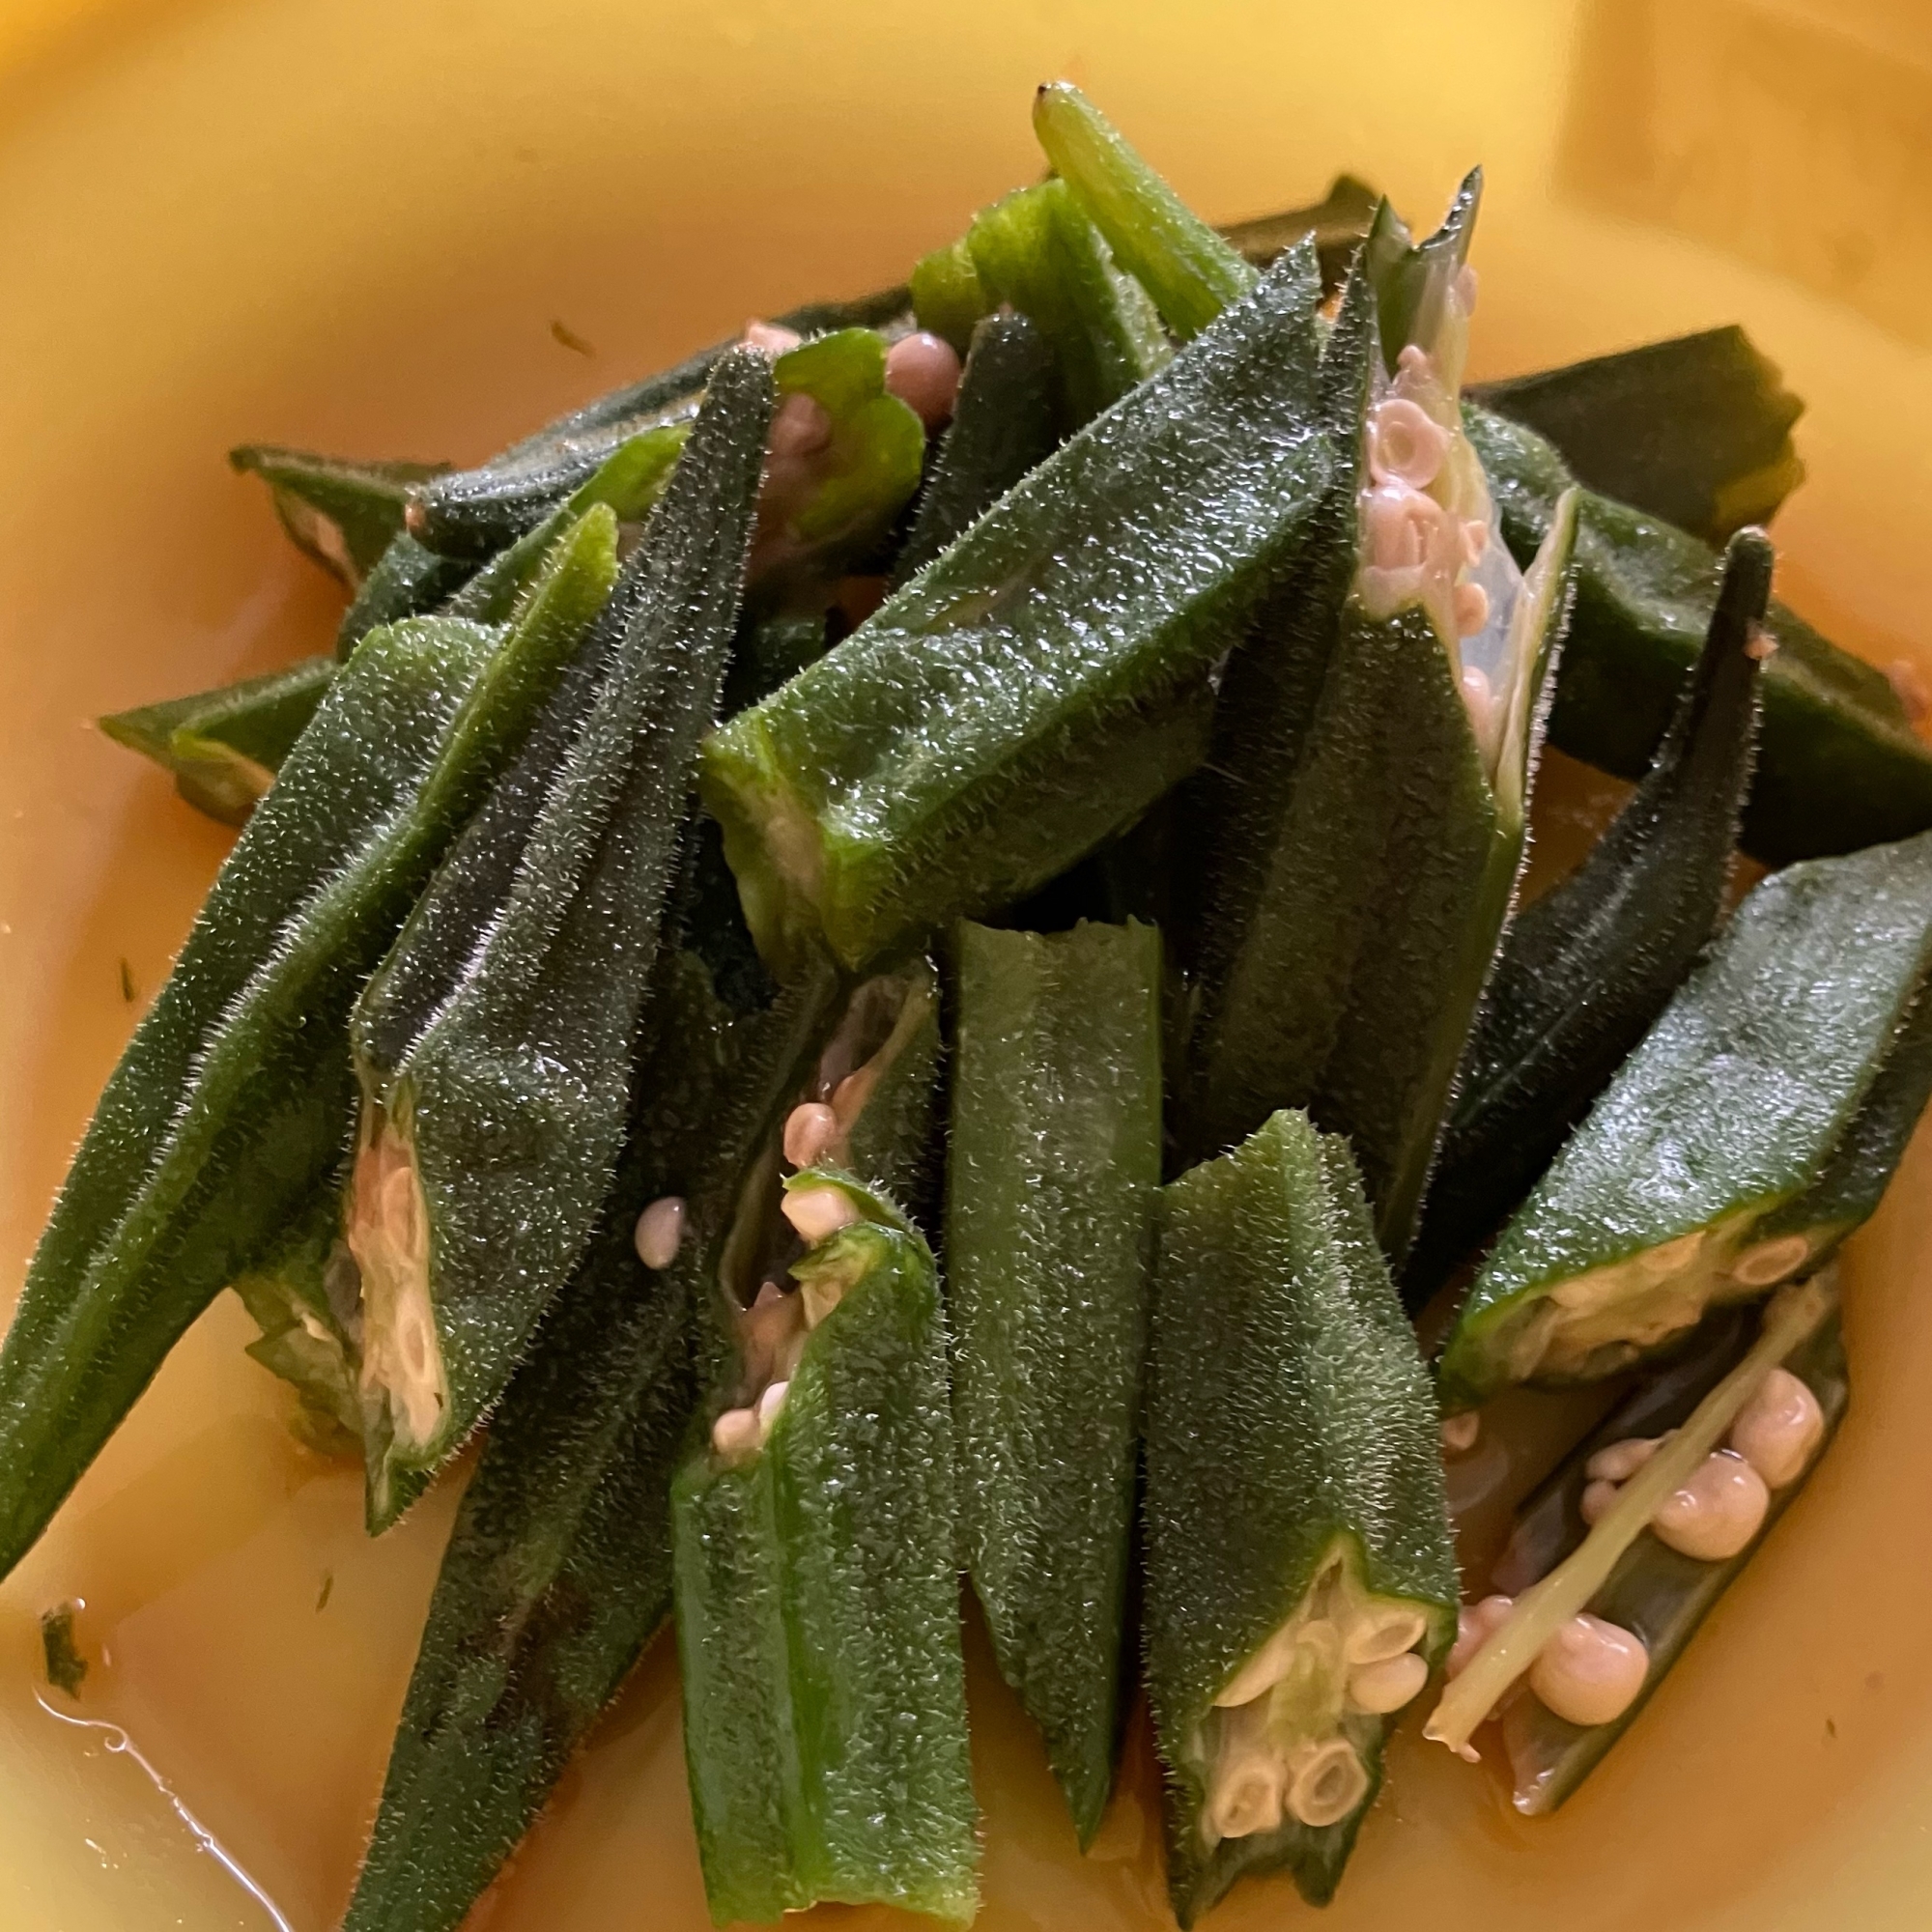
1036, 252
1657, 1591
493, 1045
1666, 1522
1695, 429
1757, 1126
1036, 687
342, 513
1052, 1167
408, 581
226, 1110
476, 512
1003, 427
225, 746
1301, 1578
1354, 896
1839, 763
1339, 223
1587, 968
557, 1573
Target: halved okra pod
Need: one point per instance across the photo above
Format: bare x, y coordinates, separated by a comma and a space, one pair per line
1039, 685
343, 513
1695, 429
817, 1596
475, 513
1052, 1167
228, 1106
493, 1045
1366, 811
1670, 1520
1585, 969
1757, 1126
1300, 1579
1839, 763
225, 746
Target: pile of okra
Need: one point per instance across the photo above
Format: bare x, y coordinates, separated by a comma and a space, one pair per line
1029, 772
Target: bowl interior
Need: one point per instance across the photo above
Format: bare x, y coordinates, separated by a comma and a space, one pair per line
386, 230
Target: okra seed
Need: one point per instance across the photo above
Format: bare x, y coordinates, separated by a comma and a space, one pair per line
1475, 540
736, 1435
1718, 1511
1329, 1784
1377, 1635
818, 1212
1590, 1671
1763, 644
800, 427
1475, 1623
1478, 699
773, 337
1247, 1797
1388, 1683
1621, 1461
1770, 1262
1597, 1499
1472, 608
808, 1131
1460, 1432
660, 1231
1405, 445
769, 1403
923, 371
1402, 526
1780, 1429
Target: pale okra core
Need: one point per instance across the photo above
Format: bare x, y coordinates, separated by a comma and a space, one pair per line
1287, 1735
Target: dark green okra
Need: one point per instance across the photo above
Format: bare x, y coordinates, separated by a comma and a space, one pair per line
409, 580
225, 746
1039, 685
818, 1601
1657, 1593
1586, 969
1839, 763
343, 513
1757, 1126
1695, 429
1301, 1578
1003, 427
493, 1045
226, 1110
1052, 1166
475, 513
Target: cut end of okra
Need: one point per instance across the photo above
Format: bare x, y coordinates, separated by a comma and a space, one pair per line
342, 513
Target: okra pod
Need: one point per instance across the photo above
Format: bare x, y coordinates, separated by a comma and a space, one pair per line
1671, 1519
1839, 763
1658, 1592
344, 514
476, 512
1039, 685
1301, 1578
1586, 969
408, 581
1052, 1168
1003, 427
1695, 429
1757, 1124
493, 1045
1378, 748
227, 1108
225, 746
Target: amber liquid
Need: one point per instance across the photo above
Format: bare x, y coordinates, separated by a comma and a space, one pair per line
352, 227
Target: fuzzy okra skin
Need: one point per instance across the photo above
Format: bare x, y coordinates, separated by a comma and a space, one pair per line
1757, 1124
1039, 685
1695, 429
818, 1608
1586, 969
1839, 763
1052, 1167
493, 1045
342, 513
225, 746
408, 581
227, 1107
1292, 1451
1003, 427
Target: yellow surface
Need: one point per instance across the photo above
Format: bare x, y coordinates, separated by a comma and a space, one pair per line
350, 223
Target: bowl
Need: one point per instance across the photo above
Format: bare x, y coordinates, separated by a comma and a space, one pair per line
421, 230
